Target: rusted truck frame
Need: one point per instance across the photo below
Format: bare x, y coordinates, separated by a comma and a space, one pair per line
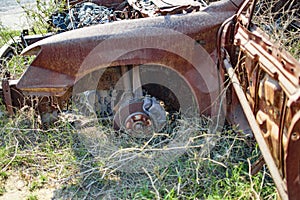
264, 80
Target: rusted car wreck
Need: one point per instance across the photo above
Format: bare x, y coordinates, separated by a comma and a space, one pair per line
131, 64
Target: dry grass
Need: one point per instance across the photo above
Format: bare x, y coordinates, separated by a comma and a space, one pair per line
281, 21
86, 162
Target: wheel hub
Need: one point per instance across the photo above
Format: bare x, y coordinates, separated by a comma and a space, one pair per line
140, 118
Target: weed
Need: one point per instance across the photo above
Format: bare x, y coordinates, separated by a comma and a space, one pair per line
63, 157
2, 190
40, 13
3, 177
32, 197
280, 20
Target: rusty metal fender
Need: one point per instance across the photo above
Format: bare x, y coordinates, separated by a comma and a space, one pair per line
62, 59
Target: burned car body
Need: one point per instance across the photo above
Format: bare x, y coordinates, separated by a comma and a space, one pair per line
201, 50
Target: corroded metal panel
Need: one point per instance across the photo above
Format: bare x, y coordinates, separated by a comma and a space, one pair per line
268, 77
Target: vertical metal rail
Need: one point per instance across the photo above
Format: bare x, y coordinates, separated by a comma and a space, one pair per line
136, 82
281, 187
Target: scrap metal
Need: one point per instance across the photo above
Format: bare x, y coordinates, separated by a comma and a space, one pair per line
265, 80
7, 96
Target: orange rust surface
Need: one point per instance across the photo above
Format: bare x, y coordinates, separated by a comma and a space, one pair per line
269, 78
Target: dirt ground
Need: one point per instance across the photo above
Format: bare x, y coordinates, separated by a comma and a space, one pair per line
14, 17
16, 189
14, 20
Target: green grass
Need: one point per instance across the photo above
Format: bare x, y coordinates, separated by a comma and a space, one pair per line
32, 197
62, 157
7, 34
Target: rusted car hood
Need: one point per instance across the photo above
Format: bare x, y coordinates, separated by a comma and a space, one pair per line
60, 58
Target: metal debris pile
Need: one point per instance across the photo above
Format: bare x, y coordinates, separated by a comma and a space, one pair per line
88, 13
81, 15
151, 8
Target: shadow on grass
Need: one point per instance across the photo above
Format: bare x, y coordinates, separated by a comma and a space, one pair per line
64, 161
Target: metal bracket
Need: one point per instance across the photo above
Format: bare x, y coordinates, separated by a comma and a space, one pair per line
7, 96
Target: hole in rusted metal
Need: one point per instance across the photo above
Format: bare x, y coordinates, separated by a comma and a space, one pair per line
263, 127
295, 136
